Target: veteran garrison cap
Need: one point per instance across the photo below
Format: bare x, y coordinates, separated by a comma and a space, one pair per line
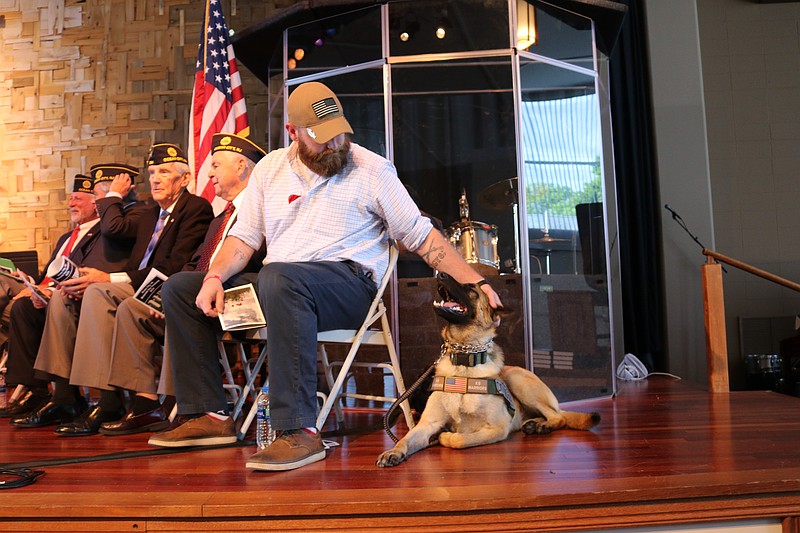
107, 171
161, 153
228, 142
315, 107
83, 184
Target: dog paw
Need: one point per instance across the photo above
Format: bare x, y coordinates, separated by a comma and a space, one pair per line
390, 458
451, 440
536, 426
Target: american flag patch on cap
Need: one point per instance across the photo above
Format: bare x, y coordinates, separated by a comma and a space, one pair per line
325, 107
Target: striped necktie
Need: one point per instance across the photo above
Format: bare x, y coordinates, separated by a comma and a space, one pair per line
162, 220
211, 245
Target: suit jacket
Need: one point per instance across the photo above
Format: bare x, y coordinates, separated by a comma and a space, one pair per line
120, 221
254, 265
183, 233
94, 250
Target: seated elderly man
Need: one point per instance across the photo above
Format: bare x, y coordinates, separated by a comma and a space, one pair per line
85, 245
139, 333
9, 288
78, 333
118, 249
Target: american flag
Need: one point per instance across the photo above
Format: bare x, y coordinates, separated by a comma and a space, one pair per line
455, 385
217, 98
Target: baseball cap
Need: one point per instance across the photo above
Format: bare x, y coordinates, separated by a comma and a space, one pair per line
314, 106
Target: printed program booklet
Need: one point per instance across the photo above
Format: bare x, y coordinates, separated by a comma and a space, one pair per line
36, 292
149, 292
8, 268
241, 309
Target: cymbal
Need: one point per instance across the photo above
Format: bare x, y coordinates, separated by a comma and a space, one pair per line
548, 239
500, 195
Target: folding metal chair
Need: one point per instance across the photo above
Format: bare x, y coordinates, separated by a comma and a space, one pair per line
250, 365
374, 331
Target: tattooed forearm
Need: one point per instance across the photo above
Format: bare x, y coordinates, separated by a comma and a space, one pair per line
433, 256
242, 254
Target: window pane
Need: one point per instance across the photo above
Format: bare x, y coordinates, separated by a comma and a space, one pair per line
334, 42
560, 34
562, 154
453, 132
464, 26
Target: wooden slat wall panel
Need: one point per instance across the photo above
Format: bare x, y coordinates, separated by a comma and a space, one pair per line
91, 82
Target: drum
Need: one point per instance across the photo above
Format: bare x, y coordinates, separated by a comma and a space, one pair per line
764, 372
477, 243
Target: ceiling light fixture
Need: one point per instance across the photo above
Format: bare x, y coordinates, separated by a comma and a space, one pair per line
526, 25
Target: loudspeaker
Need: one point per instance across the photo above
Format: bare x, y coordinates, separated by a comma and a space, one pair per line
592, 237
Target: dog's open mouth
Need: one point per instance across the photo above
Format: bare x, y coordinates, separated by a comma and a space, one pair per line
448, 305
454, 305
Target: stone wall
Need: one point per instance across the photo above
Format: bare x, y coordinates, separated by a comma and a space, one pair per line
93, 81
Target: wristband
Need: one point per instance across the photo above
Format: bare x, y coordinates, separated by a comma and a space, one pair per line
212, 277
482, 282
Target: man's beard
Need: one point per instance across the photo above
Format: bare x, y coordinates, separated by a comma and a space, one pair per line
327, 163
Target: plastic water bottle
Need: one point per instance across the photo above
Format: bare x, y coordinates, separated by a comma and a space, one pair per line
264, 432
3, 400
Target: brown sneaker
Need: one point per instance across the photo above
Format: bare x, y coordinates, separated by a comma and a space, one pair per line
201, 431
292, 449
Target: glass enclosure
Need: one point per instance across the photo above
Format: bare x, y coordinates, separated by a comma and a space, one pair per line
495, 115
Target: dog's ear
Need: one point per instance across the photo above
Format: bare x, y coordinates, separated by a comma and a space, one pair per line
499, 313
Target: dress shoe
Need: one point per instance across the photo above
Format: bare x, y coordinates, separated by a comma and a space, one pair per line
50, 414
89, 422
24, 405
154, 420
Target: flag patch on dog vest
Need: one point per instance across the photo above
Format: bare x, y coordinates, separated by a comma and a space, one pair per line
474, 386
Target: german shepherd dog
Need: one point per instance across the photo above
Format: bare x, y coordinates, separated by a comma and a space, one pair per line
477, 400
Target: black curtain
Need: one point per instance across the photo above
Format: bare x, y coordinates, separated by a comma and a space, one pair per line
637, 192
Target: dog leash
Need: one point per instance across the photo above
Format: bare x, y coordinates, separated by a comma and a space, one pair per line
408, 392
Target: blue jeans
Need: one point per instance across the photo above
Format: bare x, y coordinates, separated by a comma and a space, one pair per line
190, 341
298, 300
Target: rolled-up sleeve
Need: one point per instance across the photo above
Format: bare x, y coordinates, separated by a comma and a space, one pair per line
404, 222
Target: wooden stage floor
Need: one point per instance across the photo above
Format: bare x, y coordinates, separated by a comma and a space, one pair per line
665, 453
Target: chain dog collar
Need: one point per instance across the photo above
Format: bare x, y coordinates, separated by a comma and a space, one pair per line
466, 354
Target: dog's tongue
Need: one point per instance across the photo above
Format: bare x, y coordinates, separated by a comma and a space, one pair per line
453, 305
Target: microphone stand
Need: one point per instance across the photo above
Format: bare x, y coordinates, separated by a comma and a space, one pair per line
677, 218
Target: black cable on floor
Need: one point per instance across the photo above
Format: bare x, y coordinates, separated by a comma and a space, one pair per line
118, 455
23, 476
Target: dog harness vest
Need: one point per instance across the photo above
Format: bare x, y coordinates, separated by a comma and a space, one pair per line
474, 386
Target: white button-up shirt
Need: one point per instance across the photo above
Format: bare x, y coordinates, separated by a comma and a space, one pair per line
349, 216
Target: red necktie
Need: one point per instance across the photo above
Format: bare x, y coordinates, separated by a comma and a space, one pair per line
71, 241
211, 245
67, 250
